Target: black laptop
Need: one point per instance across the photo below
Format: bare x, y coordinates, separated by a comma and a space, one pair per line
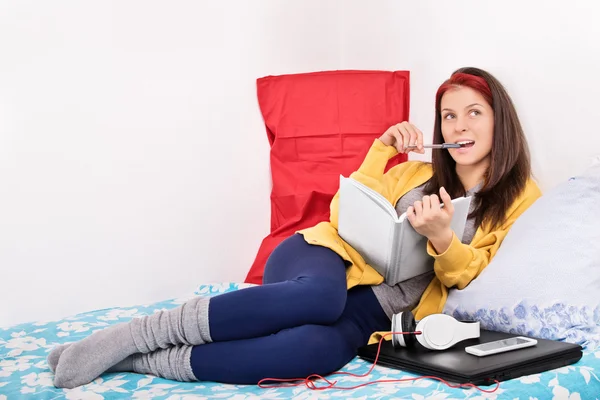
458, 366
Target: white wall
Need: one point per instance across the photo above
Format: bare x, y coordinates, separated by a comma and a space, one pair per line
133, 159
547, 54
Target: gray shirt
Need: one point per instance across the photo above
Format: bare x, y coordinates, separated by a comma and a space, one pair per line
405, 296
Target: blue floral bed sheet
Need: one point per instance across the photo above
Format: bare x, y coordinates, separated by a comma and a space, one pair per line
24, 373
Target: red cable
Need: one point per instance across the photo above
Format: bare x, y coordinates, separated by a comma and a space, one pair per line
309, 381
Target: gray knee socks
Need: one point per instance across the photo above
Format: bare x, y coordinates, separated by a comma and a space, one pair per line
170, 363
84, 361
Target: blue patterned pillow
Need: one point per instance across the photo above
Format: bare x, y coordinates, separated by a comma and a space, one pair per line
545, 279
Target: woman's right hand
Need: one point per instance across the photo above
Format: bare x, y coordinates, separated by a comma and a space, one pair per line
403, 135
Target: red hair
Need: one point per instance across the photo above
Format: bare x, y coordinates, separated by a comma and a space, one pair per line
476, 83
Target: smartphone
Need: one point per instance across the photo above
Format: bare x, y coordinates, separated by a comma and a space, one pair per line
500, 346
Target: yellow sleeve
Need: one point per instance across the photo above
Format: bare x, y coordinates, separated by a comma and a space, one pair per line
371, 174
461, 263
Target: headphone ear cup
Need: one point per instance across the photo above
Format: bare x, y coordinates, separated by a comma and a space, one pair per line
408, 325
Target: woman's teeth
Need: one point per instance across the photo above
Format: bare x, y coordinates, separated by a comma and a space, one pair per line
466, 143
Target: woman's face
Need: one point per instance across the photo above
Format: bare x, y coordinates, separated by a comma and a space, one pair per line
467, 117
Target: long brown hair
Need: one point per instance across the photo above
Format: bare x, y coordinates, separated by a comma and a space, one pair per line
510, 166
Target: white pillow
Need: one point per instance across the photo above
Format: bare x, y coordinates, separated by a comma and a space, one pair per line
545, 279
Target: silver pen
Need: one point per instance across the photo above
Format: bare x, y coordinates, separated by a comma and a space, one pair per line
439, 146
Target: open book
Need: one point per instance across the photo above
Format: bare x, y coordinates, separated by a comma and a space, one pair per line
369, 223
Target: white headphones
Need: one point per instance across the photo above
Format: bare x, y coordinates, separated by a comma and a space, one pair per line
437, 331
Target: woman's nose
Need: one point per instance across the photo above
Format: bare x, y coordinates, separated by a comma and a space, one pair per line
460, 125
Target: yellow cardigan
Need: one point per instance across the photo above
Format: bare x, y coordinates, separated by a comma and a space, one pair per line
456, 267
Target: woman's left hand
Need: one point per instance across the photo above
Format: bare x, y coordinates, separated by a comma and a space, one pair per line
433, 221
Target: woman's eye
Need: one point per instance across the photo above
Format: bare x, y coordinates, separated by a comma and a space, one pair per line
474, 113
449, 116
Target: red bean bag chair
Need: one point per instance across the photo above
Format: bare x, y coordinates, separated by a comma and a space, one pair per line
321, 125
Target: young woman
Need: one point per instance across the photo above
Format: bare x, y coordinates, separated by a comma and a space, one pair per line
320, 301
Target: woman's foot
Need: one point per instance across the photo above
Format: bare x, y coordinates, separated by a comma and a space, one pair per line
55, 354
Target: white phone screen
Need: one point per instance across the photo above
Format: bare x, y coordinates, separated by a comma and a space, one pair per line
500, 344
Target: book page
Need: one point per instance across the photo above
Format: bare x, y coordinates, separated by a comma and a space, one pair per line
376, 197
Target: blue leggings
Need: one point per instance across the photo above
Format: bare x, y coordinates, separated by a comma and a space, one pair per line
301, 321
